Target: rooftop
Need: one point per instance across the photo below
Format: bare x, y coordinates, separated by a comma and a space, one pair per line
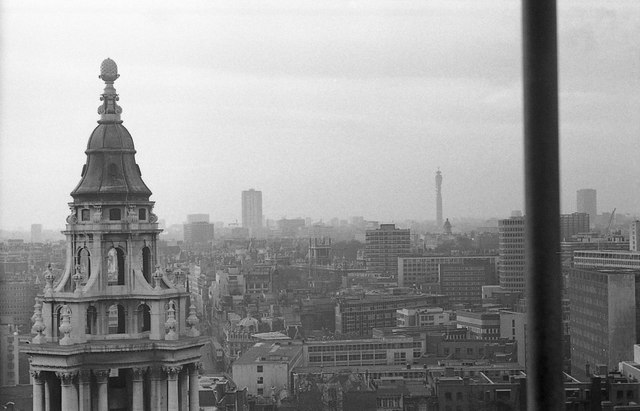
264, 353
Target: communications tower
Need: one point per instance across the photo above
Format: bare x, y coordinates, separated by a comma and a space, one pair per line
439, 199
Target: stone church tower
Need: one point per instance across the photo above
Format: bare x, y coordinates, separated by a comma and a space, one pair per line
113, 333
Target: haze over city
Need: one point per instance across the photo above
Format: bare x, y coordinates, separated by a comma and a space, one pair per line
331, 109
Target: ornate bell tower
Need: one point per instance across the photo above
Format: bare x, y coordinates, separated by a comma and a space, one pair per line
113, 332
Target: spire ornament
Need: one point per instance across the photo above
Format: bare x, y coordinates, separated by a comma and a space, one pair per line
48, 278
171, 323
109, 110
192, 322
38, 325
77, 278
65, 326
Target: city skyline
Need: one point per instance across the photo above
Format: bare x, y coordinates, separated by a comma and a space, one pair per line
307, 103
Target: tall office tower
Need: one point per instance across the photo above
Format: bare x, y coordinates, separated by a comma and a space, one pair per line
252, 210
36, 233
511, 272
439, 199
111, 333
572, 224
634, 236
603, 316
198, 231
383, 247
587, 202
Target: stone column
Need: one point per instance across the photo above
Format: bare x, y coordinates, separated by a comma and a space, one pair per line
84, 390
47, 393
102, 378
138, 388
157, 388
194, 386
183, 387
69, 393
172, 386
38, 390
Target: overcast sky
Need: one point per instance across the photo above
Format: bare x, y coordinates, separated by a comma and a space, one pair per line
330, 108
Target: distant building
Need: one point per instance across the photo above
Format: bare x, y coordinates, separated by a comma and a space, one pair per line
424, 272
572, 224
603, 317
511, 262
606, 259
383, 246
265, 368
17, 296
319, 251
481, 325
252, 210
10, 370
358, 316
587, 202
634, 236
462, 283
513, 326
198, 231
396, 350
419, 317
36, 233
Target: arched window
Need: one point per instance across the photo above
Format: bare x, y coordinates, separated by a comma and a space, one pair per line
142, 214
58, 320
115, 266
144, 318
115, 214
146, 264
117, 319
84, 261
92, 318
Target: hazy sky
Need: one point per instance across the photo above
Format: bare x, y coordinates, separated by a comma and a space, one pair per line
331, 108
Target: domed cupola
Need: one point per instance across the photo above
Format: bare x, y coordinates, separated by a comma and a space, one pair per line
111, 172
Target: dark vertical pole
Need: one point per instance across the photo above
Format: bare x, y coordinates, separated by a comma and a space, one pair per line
543, 281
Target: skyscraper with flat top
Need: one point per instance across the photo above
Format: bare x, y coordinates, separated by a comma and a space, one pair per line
587, 202
252, 210
511, 253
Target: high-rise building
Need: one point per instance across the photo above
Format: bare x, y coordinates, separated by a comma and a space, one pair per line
587, 202
439, 199
383, 247
36, 233
634, 236
603, 318
572, 224
252, 210
110, 332
511, 271
198, 231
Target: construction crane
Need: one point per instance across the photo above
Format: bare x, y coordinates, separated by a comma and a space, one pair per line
613, 213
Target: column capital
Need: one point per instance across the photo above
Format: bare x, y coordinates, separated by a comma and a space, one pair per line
196, 367
38, 376
156, 372
66, 377
172, 370
84, 376
102, 376
139, 372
